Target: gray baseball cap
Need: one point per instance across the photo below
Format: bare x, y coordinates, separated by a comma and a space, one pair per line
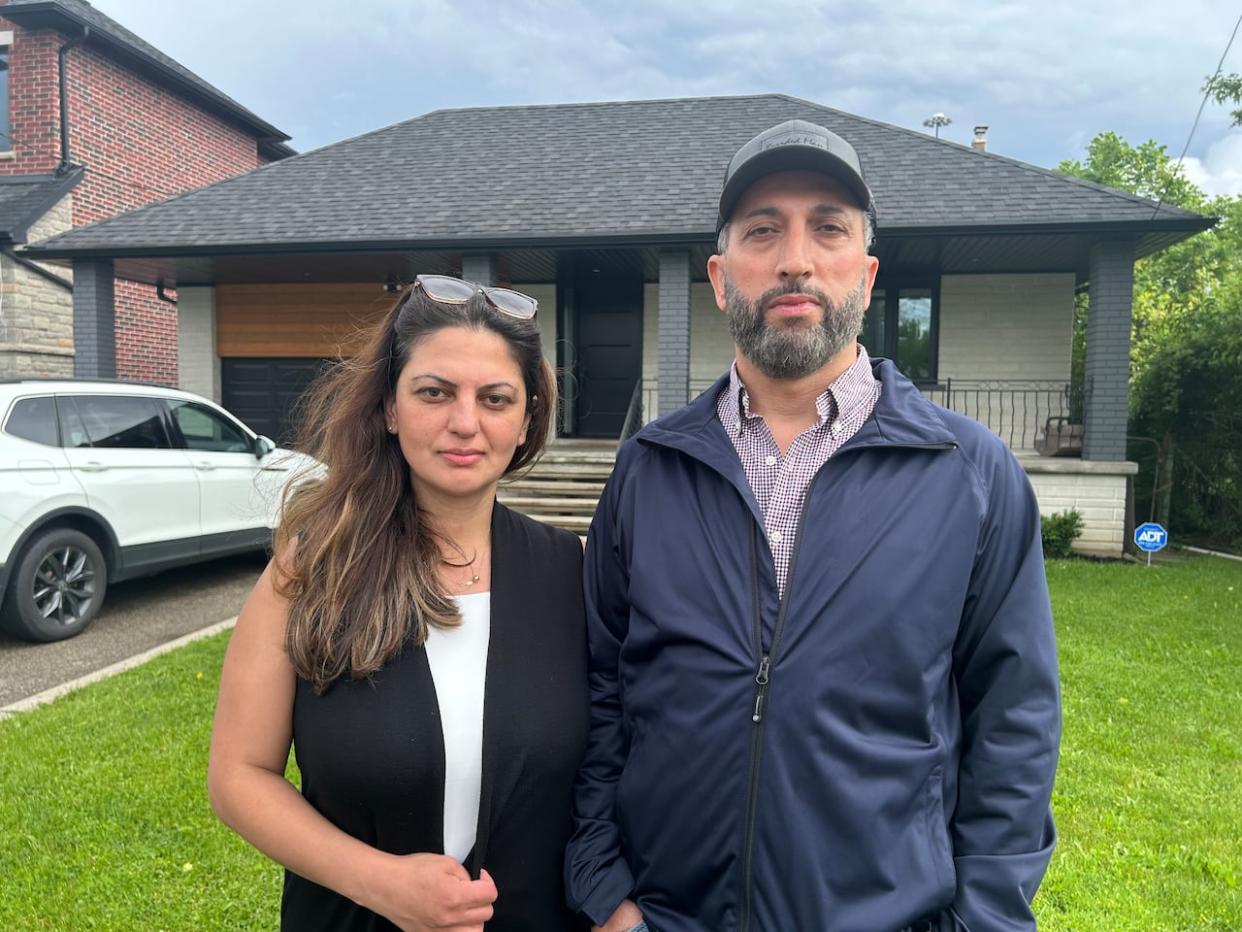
794, 145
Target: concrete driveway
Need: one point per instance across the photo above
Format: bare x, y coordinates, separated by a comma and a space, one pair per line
137, 615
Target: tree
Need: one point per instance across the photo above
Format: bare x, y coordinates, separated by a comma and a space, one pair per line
1186, 350
1226, 89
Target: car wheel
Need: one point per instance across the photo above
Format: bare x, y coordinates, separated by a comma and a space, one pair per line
57, 586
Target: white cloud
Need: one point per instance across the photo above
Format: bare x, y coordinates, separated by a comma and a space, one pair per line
1220, 169
1041, 75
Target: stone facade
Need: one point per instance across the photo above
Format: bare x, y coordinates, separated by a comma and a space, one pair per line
36, 311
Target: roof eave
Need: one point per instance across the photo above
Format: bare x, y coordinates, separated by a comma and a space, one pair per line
1187, 226
470, 244
275, 150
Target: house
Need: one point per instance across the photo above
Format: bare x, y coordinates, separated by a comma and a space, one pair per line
606, 213
94, 121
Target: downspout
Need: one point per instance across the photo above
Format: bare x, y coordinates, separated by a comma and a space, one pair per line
65, 163
163, 295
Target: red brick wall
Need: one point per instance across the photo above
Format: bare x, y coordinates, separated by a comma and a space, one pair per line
146, 335
140, 142
34, 107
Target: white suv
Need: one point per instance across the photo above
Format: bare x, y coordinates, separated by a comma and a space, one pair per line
102, 481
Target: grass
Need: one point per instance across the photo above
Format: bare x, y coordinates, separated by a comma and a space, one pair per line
1149, 790
104, 814
105, 825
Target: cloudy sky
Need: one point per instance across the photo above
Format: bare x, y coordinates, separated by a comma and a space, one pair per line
1045, 77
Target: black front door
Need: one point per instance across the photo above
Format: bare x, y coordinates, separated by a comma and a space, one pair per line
609, 348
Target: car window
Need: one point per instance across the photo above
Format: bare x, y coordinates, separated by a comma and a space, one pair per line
205, 429
34, 419
122, 421
72, 430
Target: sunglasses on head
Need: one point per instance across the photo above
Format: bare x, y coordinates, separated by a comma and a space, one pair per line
449, 290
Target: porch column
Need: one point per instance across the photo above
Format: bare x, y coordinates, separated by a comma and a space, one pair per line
479, 269
674, 331
94, 319
1111, 298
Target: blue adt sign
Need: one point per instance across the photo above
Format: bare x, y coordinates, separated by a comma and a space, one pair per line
1150, 537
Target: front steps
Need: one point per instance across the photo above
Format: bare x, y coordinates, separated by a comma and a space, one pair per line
564, 486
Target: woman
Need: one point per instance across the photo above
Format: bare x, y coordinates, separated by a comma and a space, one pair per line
421, 645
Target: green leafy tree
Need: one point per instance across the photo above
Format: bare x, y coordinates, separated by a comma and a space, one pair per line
1186, 351
1226, 89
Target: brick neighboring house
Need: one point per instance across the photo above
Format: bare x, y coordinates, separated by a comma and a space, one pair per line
140, 128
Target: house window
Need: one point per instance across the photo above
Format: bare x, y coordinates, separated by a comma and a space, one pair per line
902, 324
6, 141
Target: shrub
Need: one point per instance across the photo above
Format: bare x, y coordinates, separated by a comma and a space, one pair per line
1059, 531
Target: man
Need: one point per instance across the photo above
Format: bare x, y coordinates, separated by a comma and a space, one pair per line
824, 688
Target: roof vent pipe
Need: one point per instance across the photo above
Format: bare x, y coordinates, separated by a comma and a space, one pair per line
65, 162
980, 142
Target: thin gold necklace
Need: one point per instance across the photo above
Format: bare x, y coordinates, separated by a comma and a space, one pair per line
474, 578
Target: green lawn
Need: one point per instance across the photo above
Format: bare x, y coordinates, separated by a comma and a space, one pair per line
104, 822
1149, 794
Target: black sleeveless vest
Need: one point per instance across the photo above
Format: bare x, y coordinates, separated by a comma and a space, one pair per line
371, 751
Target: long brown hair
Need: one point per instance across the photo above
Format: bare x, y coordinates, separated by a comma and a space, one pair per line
358, 556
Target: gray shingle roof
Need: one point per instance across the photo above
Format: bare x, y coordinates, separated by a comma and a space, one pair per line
59, 14
638, 171
26, 198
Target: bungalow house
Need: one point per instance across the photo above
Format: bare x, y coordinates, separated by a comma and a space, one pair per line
606, 213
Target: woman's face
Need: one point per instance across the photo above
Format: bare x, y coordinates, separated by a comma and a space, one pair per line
459, 411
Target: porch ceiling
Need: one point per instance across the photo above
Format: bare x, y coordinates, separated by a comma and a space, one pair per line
947, 252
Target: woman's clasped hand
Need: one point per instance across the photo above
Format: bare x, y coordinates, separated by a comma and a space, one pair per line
426, 892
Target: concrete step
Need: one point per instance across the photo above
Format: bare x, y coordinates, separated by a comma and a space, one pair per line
564, 486
547, 505
579, 524
596, 471
577, 459
582, 444
560, 487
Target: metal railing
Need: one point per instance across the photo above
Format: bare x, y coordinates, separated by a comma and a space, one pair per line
651, 395
1030, 416
634, 413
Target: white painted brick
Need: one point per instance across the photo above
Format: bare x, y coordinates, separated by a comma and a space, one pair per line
198, 366
1100, 499
1006, 327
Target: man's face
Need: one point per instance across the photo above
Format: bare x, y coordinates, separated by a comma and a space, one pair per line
795, 278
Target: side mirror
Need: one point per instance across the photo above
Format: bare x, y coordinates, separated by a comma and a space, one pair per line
263, 446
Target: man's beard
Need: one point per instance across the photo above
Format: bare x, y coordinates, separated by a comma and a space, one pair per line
791, 352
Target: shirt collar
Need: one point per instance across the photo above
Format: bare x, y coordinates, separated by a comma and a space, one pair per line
852, 389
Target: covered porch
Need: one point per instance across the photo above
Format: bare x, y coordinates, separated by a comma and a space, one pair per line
983, 324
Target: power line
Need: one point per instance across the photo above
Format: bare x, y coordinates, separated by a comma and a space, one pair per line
1207, 92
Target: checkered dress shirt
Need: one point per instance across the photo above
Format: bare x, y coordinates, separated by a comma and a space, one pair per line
780, 482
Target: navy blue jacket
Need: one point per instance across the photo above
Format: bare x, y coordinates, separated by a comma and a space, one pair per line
875, 749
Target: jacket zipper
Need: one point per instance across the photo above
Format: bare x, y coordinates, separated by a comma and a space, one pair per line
763, 674
763, 677
756, 733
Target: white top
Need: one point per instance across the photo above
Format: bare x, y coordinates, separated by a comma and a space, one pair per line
458, 659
